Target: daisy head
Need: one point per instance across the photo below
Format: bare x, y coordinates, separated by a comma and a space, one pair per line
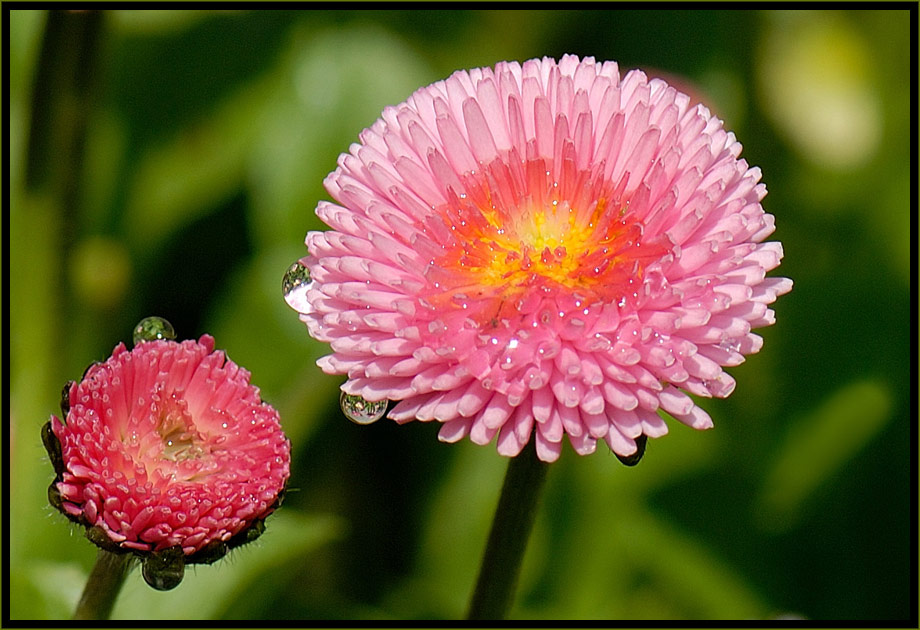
168, 452
541, 250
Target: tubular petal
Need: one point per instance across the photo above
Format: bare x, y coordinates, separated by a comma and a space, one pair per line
553, 247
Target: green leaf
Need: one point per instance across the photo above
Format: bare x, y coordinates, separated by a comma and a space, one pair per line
183, 176
323, 93
819, 446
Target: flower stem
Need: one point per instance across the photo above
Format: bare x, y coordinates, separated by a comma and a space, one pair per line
103, 585
514, 518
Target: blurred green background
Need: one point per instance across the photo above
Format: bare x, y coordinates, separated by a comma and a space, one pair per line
172, 168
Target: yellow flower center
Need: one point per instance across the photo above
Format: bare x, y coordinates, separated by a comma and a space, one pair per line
506, 251
539, 245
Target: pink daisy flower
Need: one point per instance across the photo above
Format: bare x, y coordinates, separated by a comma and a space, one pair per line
542, 250
167, 449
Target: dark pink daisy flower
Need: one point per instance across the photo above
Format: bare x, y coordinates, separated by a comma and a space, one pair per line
167, 447
539, 250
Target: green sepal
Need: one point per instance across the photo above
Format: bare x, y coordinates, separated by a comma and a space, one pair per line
100, 538
209, 554
65, 399
53, 447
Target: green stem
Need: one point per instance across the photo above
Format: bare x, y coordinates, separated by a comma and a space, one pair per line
103, 585
62, 99
514, 518
64, 96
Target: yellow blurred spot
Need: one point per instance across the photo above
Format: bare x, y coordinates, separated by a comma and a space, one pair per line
813, 73
100, 271
819, 446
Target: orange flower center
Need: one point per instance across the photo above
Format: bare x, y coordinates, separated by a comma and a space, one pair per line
563, 239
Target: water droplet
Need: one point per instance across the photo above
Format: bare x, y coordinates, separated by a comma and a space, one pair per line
632, 460
152, 329
164, 569
470, 324
360, 410
730, 345
294, 286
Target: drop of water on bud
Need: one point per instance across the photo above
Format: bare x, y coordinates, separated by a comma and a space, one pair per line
294, 287
164, 569
361, 411
153, 328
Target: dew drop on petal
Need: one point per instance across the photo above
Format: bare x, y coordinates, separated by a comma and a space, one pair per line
152, 329
730, 345
361, 411
294, 286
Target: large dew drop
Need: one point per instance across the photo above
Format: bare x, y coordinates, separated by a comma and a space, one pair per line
361, 411
294, 287
164, 570
153, 328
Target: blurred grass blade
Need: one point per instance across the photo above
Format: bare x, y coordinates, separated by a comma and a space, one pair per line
61, 99
692, 574
819, 446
